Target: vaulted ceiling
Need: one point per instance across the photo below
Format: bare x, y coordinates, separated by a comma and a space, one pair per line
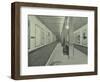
54, 23
78, 22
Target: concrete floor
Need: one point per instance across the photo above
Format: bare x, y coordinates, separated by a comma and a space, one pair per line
40, 56
58, 58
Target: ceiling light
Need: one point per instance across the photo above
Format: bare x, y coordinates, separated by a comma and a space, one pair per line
67, 27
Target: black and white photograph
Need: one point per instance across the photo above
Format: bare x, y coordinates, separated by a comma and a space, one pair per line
50, 40
57, 40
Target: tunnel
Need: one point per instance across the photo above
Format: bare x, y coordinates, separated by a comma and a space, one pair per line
57, 40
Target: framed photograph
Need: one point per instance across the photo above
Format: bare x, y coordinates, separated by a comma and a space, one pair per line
53, 40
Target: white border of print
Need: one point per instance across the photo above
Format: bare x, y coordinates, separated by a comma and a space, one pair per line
38, 70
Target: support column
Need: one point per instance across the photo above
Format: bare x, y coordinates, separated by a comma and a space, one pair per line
71, 38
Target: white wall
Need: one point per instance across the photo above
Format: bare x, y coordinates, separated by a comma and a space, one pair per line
40, 33
80, 32
5, 38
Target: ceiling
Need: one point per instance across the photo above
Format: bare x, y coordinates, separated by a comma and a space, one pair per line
78, 22
54, 23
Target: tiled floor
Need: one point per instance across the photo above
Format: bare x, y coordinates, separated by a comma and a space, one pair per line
58, 58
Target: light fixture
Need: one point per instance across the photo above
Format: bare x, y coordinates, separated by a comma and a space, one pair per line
67, 27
